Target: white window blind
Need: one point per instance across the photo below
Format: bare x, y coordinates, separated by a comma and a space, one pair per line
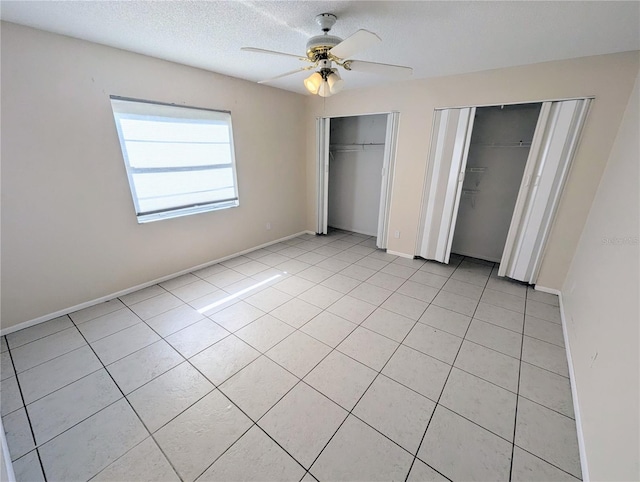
179, 160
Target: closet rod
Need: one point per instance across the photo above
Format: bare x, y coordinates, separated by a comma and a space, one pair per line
356, 147
503, 144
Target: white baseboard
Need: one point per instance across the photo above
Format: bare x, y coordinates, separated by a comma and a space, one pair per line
402, 255
572, 379
87, 304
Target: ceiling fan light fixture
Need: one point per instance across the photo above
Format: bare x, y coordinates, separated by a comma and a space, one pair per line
314, 82
335, 82
324, 90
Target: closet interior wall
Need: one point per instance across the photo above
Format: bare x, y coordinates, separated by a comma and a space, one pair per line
356, 156
498, 152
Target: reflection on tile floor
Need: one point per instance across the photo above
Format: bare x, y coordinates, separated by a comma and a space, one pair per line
318, 357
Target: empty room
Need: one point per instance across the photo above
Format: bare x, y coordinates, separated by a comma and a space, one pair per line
319, 240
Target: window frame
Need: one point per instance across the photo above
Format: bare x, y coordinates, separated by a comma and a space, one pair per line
174, 211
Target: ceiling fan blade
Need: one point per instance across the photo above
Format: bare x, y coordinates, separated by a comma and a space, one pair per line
285, 74
272, 52
380, 69
362, 39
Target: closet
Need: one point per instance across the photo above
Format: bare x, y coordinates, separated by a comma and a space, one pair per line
356, 155
494, 181
498, 151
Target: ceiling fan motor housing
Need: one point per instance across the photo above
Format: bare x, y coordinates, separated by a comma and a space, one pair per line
318, 46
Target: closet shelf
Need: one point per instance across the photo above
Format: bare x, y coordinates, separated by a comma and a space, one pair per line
503, 144
356, 147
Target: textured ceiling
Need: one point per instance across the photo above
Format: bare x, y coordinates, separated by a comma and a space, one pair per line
435, 38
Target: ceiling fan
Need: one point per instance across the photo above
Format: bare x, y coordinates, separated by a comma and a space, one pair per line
325, 50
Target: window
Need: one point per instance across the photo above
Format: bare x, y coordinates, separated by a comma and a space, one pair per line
179, 160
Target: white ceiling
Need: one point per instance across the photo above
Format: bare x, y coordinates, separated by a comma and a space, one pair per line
435, 38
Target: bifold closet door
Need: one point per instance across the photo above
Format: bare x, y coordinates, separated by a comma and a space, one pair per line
322, 164
390, 143
553, 147
447, 162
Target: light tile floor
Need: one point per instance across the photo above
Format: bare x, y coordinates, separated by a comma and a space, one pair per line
318, 357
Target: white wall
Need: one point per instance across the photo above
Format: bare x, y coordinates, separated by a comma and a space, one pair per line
355, 175
600, 298
607, 77
69, 232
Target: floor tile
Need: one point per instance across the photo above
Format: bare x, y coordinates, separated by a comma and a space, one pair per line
399, 270
358, 452
225, 278
141, 295
549, 435
433, 342
179, 281
489, 365
123, 343
464, 289
368, 347
255, 457
204, 273
341, 378
109, 324
329, 328
62, 409
511, 320
18, 433
369, 262
418, 371
195, 338
54, 374
143, 462
142, 366
503, 300
541, 296
462, 450
315, 274
507, 285
454, 302
371, 293
298, 353
174, 320
473, 277
303, 422
446, 320
494, 337
10, 398
429, 279
352, 309
247, 287
291, 252
166, 396
321, 296
214, 302
544, 330
224, 359
421, 472
257, 387
545, 355
254, 267
296, 312
310, 258
543, 311
190, 450
405, 306
33, 333
268, 299
484, 403
528, 467
45, 349
236, 316
193, 291
235, 261
94, 311
399, 413
389, 324
89, 447
154, 306
294, 285
341, 283
273, 259
418, 291
27, 468
3, 344
333, 264
546, 388
386, 281
358, 272
264, 333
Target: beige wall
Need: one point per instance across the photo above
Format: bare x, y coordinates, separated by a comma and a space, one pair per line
609, 77
69, 233
601, 310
